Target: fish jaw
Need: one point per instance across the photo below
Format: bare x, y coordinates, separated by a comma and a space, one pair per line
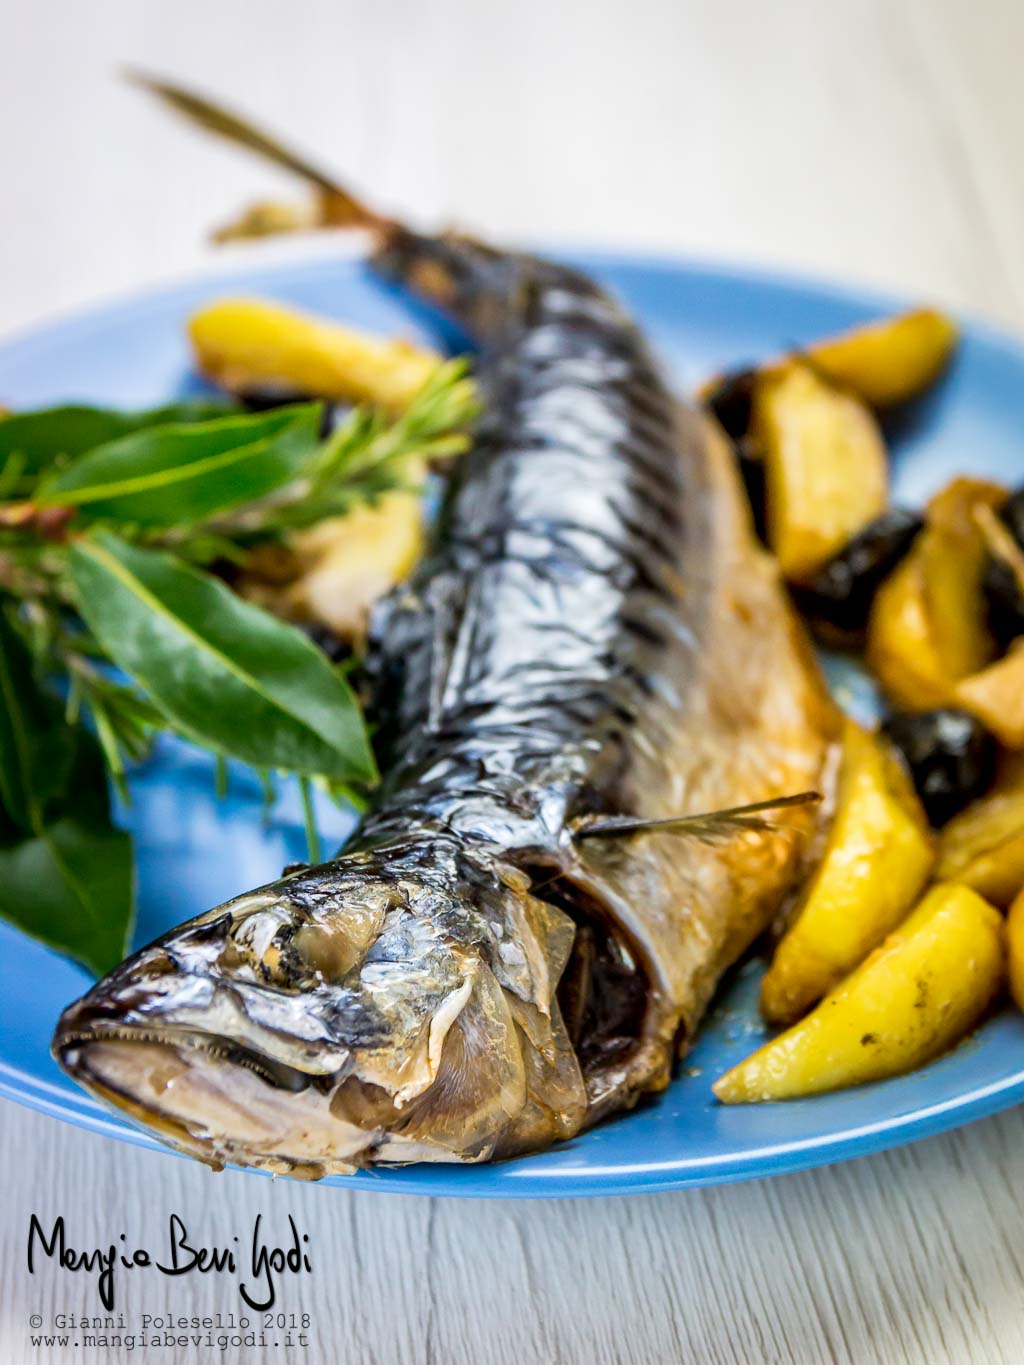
349, 1014
208, 1038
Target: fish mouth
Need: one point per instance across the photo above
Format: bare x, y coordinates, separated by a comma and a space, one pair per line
216, 1099
72, 1051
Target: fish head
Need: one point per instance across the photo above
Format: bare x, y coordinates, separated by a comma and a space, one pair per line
229, 1035
311, 1026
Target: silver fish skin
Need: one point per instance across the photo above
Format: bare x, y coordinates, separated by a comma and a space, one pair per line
595, 631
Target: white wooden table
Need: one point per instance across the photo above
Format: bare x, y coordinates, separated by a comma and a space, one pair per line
875, 140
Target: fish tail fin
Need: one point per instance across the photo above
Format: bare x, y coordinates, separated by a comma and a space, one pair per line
338, 206
467, 279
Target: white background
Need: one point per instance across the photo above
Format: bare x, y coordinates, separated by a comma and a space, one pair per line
875, 142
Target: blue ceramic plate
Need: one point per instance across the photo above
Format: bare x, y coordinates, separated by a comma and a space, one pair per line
194, 851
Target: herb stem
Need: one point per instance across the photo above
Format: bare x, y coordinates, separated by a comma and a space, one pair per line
107, 737
312, 834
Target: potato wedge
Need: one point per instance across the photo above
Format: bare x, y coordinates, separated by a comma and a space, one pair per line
954, 553
900, 649
884, 362
826, 468
912, 999
889, 361
356, 559
333, 573
247, 343
878, 857
1015, 949
996, 697
983, 846
928, 624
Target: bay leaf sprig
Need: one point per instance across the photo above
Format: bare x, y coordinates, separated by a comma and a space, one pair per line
224, 672
180, 475
66, 873
51, 437
116, 622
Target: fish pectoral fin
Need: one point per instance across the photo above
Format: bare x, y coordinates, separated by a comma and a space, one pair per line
708, 826
476, 1096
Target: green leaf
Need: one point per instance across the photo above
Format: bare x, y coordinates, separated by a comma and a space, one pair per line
40, 438
224, 672
65, 871
180, 475
70, 885
36, 746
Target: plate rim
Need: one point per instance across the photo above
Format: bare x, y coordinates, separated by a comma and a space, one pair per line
441, 1180
515, 1179
123, 302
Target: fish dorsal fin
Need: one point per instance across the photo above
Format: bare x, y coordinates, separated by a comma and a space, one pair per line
708, 826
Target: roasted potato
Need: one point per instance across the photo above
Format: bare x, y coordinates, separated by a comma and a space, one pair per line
928, 626
836, 601
826, 468
912, 999
900, 649
884, 362
890, 361
996, 697
332, 574
356, 559
1015, 949
878, 857
983, 846
248, 344
954, 553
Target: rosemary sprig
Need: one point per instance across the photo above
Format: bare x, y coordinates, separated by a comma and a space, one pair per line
369, 454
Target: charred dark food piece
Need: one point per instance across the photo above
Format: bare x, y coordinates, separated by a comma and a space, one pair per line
837, 600
1004, 582
731, 402
264, 398
951, 756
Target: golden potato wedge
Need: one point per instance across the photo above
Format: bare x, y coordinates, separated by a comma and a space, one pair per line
1015, 949
912, 999
889, 361
928, 623
996, 697
333, 573
884, 362
247, 343
954, 553
900, 649
826, 468
983, 846
878, 857
356, 559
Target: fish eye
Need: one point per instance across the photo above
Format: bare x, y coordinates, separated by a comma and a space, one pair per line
260, 944
335, 940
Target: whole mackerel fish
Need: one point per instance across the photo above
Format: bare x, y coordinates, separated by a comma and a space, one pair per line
595, 633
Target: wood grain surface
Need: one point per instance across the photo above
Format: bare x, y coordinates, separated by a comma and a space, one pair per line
878, 141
